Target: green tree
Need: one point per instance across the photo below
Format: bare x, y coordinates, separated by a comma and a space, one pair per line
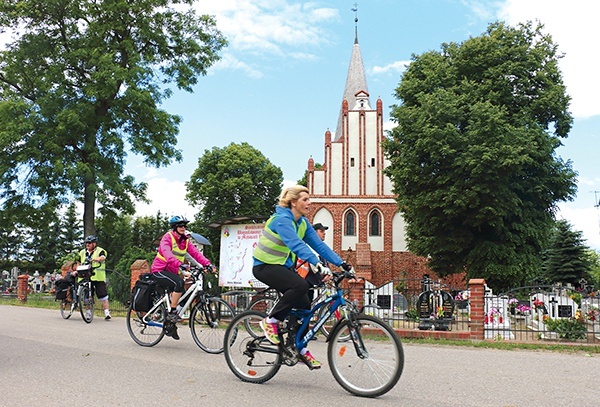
237, 180
567, 258
473, 158
594, 259
71, 234
83, 82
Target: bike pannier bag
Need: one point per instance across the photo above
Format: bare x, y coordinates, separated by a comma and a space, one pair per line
141, 295
63, 286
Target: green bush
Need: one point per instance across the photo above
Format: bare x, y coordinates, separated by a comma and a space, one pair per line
571, 328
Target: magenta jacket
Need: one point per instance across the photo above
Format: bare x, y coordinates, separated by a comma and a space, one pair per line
171, 263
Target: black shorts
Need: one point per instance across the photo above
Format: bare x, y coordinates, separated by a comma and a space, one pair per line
100, 289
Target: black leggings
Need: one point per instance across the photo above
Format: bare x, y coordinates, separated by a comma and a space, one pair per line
293, 287
169, 281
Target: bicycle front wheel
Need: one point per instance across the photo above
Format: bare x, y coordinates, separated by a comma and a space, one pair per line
208, 321
250, 357
371, 363
86, 304
66, 309
146, 331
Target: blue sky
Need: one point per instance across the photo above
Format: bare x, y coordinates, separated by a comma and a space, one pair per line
279, 84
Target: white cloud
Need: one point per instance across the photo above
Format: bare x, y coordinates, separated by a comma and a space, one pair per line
574, 27
165, 196
269, 26
395, 67
228, 61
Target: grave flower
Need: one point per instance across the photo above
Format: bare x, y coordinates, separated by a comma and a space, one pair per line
462, 296
538, 304
439, 312
593, 314
523, 309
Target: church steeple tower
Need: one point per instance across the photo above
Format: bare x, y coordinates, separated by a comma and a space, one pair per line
356, 80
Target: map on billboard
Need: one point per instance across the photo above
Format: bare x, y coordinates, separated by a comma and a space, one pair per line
237, 244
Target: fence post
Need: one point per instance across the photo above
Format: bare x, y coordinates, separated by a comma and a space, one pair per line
477, 301
22, 287
138, 267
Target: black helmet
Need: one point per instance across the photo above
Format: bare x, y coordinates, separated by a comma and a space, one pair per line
91, 239
178, 221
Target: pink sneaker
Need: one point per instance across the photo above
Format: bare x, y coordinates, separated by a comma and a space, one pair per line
271, 331
310, 361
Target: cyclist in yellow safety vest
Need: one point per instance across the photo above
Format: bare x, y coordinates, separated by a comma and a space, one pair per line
96, 256
287, 236
168, 266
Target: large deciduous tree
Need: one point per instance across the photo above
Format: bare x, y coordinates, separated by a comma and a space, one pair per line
237, 180
473, 158
81, 84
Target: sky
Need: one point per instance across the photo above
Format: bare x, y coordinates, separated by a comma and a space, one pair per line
280, 82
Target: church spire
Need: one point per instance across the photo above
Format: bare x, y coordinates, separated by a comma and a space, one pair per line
356, 79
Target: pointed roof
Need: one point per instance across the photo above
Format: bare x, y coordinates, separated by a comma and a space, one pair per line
355, 82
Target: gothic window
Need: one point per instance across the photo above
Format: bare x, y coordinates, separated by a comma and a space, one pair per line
350, 224
374, 224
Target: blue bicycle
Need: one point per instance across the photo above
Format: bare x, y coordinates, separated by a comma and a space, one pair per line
364, 353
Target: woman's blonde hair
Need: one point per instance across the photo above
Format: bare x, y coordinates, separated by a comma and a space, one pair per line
291, 194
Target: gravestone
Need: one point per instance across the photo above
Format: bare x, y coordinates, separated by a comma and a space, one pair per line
434, 307
496, 320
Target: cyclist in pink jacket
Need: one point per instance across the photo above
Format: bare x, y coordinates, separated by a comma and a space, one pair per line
168, 265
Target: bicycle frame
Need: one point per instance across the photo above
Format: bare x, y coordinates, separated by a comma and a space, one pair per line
333, 301
186, 299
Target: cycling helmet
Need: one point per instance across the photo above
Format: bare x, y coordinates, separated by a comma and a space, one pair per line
91, 239
177, 221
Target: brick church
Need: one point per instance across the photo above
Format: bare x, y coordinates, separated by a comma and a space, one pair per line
351, 195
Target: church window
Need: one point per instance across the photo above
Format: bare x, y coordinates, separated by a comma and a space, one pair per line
374, 224
352, 162
350, 224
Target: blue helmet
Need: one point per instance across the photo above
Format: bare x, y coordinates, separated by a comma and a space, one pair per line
91, 239
178, 221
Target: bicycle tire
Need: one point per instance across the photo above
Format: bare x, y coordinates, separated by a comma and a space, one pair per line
208, 322
143, 333
264, 305
66, 309
252, 359
377, 370
86, 305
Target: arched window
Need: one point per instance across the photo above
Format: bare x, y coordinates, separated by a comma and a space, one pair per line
374, 224
350, 224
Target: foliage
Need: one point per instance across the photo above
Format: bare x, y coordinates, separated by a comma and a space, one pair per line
594, 271
567, 328
473, 157
411, 314
120, 278
81, 82
567, 258
237, 180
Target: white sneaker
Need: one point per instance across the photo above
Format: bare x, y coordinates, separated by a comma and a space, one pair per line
106, 314
88, 314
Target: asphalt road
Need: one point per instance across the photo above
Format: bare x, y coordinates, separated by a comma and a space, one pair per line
48, 361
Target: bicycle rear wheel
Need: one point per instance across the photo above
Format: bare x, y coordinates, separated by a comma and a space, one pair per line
146, 331
208, 321
86, 304
371, 363
250, 357
264, 305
